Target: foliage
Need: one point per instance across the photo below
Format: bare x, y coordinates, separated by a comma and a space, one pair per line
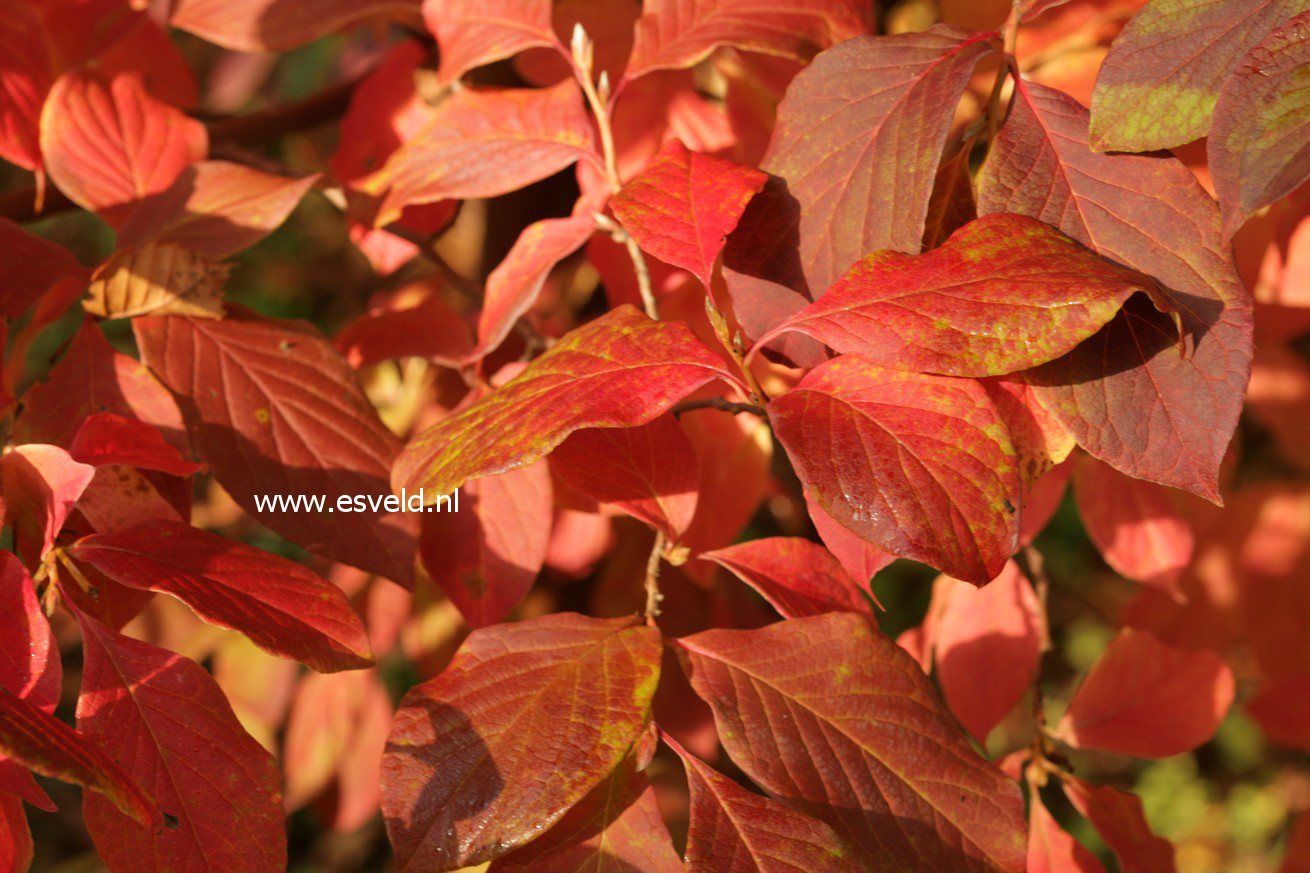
652, 352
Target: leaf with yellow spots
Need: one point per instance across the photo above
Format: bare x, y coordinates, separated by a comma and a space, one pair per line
621, 370
157, 279
1003, 293
834, 719
526, 721
1158, 86
284, 607
919, 465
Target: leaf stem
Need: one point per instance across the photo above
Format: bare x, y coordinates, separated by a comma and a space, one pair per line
720, 403
582, 50
653, 595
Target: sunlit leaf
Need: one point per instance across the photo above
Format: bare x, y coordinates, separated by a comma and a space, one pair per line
798, 577
157, 279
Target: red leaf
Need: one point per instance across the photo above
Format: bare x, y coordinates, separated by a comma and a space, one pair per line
220, 787
29, 667
282, 606
1147, 699
1042, 500
1051, 849
522, 725
796, 576
1157, 87
16, 847
840, 196
472, 33
918, 465
1039, 438
1282, 709
1118, 818
988, 642
683, 205
735, 454
108, 144
830, 716
36, 739
215, 209
487, 554
482, 143
1004, 293
859, 558
1135, 525
23, 86
91, 378
30, 266
621, 370
735, 831
1259, 146
513, 286
41, 484
274, 409
425, 328
650, 471
106, 438
1297, 857
274, 25
1126, 394
616, 828
680, 33
385, 110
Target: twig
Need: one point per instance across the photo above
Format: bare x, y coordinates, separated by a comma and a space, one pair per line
653, 595
1009, 36
718, 403
582, 56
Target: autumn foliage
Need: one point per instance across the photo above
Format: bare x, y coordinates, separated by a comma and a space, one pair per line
878, 432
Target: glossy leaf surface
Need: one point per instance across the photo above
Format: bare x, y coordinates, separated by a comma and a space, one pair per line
526, 721
919, 465
832, 717
798, 577
620, 370
282, 606
1004, 293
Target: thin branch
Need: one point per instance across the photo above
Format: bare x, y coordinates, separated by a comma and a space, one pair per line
653, 595
719, 403
582, 56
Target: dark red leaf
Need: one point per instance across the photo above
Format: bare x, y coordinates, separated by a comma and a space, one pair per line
426, 328
1127, 394
481, 143
106, 438
38, 740
275, 25
830, 716
222, 791
109, 143
988, 642
29, 266
215, 209
23, 86
16, 846
1118, 818
282, 606
273, 409
796, 576
860, 558
1282, 709
525, 722
1136, 525
735, 831
1148, 699
487, 554
650, 471
681, 33
472, 33
839, 196
1259, 146
1157, 87
683, 205
617, 828
29, 667
1004, 293
620, 370
919, 465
